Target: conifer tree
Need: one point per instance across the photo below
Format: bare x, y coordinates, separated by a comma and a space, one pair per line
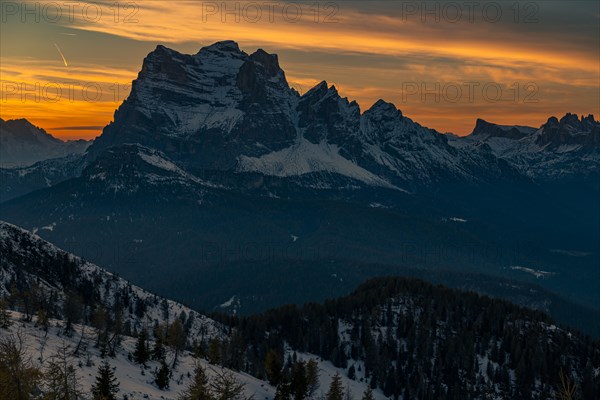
141, 353
299, 384
158, 351
273, 365
283, 390
214, 351
176, 338
225, 386
352, 372
162, 375
368, 394
312, 377
198, 389
5, 321
336, 390
42, 319
106, 386
73, 310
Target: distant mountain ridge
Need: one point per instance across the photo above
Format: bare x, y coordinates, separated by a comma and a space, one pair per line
568, 148
23, 144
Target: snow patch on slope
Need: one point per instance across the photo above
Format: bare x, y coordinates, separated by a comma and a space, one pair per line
159, 162
305, 157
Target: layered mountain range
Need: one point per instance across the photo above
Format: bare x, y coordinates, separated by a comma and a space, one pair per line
216, 178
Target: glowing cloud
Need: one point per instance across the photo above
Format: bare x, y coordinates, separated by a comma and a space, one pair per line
369, 50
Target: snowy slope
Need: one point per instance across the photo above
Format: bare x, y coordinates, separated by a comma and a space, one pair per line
135, 381
30, 260
327, 371
305, 157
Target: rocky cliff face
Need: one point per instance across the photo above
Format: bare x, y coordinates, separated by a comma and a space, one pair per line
206, 109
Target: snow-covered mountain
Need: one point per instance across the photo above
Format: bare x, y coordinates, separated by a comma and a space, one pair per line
403, 150
206, 109
22, 144
568, 148
135, 382
223, 109
228, 111
407, 337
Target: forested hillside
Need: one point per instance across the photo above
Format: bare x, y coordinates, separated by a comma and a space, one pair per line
402, 337
414, 340
71, 330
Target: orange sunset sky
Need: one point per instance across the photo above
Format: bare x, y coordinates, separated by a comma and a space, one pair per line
66, 66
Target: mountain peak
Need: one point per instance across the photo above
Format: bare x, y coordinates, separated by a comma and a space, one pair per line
260, 55
481, 126
319, 87
21, 122
382, 106
570, 119
269, 61
484, 128
224, 46
589, 118
163, 48
323, 90
570, 130
573, 121
162, 52
24, 143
